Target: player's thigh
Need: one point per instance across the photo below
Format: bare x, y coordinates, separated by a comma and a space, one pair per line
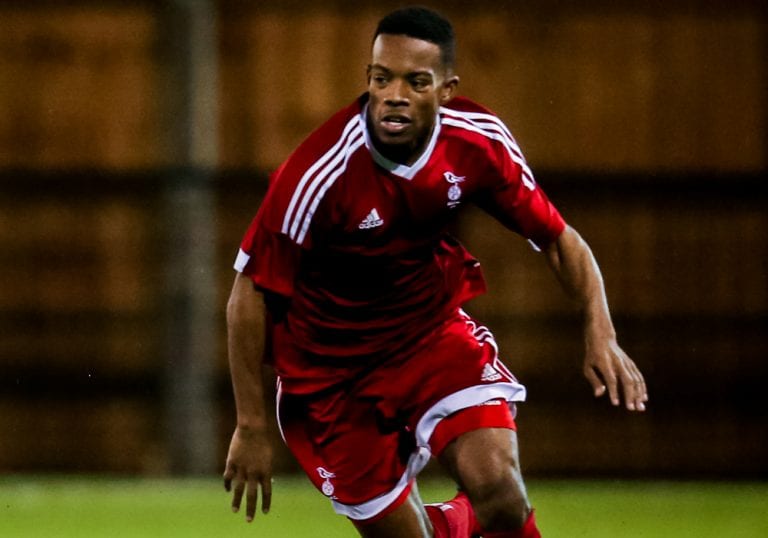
485, 463
409, 520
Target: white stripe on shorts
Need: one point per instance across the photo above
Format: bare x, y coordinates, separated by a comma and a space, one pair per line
468, 397
471, 396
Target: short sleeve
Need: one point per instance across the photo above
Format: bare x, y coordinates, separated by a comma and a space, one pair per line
285, 228
518, 201
267, 255
269, 258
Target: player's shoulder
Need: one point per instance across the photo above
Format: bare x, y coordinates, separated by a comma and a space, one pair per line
343, 127
461, 104
339, 134
472, 123
464, 113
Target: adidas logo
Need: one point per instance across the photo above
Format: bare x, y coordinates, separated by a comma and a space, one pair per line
371, 221
489, 374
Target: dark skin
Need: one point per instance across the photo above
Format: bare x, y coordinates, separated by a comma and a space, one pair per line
408, 82
407, 85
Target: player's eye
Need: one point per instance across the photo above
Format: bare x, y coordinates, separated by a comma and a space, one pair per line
379, 79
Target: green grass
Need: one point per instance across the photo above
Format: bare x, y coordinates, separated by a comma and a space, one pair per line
99, 507
651, 509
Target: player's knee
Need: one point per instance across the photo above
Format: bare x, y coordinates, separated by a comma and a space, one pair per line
493, 482
501, 504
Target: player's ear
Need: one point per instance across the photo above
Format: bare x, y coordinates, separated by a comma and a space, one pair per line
448, 89
368, 74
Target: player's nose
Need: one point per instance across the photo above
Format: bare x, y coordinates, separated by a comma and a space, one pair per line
397, 93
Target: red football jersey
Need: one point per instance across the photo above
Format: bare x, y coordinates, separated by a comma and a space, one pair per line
358, 244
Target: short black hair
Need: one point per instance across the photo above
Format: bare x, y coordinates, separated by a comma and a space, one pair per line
422, 23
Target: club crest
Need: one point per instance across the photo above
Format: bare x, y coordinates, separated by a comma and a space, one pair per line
454, 191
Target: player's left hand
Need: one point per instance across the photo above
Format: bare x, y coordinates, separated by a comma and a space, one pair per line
608, 369
249, 466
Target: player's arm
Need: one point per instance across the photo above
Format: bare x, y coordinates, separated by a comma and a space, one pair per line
249, 461
606, 366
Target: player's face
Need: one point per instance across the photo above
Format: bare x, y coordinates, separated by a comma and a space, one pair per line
407, 83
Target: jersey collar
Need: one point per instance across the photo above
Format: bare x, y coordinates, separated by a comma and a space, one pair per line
403, 170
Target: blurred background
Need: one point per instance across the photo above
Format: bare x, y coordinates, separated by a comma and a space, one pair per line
135, 142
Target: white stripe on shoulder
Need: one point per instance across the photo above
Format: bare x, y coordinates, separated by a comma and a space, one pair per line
491, 127
306, 190
325, 182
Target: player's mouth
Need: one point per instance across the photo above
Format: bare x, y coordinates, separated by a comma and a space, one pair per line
394, 124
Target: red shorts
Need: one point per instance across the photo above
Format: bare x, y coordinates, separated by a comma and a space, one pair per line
363, 443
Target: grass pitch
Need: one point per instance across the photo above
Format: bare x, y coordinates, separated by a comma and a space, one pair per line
86, 507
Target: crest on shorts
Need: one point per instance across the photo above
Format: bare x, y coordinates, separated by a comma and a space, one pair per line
327, 488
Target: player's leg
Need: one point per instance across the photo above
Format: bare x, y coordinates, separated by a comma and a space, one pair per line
451, 519
474, 429
485, 464
465, 418
493, 501
408, 520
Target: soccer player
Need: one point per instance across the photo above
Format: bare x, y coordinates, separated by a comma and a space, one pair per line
350, 286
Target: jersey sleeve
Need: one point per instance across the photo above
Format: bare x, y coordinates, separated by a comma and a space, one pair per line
267, 255
516, 200
283, 229
269, 259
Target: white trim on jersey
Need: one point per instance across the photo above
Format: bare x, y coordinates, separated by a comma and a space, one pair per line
318, 179
241, 261
491, 127
326, 184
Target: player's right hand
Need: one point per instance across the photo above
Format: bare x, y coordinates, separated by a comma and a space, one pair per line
249, 467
